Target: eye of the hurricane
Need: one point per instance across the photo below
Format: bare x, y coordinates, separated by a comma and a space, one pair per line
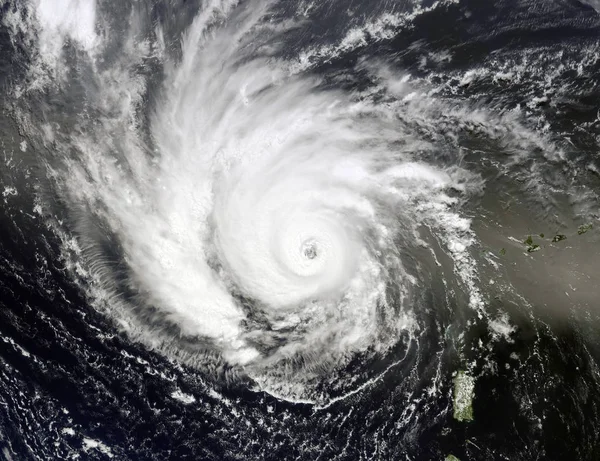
310, 249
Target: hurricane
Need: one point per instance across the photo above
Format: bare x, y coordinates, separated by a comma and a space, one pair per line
270, 219
307, 204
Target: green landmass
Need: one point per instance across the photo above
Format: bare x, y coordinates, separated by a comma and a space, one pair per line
531, 247
464, 387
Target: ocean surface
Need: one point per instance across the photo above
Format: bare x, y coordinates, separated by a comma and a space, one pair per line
268, 230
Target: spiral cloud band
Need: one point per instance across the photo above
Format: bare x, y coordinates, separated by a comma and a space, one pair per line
265, 219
